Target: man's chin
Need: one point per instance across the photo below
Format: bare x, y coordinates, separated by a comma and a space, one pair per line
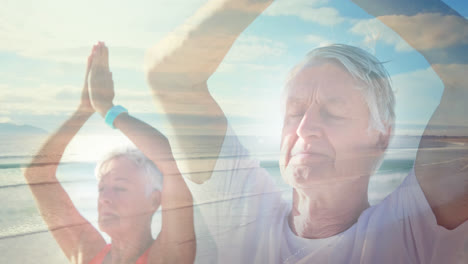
300, 176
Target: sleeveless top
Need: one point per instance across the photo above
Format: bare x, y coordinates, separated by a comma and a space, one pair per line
99, 258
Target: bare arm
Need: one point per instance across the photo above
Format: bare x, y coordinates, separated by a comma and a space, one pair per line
440, 34
79, 240
179, 67
176, 242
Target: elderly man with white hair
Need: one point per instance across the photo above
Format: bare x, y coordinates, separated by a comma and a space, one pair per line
339, 116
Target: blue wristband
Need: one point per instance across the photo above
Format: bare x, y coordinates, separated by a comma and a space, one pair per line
113, 113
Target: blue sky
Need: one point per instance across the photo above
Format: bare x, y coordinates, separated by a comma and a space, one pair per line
44, 47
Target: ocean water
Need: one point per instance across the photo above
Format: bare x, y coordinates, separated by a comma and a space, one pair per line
19, 215
20, 220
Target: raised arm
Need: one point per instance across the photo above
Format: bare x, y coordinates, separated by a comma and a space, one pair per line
176, 241
440, 34
179, 67
79, 240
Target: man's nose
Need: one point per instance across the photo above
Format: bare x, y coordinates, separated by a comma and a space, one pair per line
311, 125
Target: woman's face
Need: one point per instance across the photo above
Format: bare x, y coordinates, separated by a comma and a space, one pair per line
123, 203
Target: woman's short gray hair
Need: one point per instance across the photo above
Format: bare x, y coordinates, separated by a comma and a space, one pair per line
153, 177
364, 67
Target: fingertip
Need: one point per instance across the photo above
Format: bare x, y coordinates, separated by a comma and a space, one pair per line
98, 50
106, 50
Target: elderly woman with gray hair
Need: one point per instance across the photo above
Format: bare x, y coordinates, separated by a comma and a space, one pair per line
130, 185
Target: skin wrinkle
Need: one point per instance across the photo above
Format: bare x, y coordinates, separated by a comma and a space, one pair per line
328, 197
381, 119
328, 221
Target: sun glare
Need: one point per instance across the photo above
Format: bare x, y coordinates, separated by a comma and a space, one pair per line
91, 148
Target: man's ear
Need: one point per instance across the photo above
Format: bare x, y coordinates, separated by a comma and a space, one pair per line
155, 197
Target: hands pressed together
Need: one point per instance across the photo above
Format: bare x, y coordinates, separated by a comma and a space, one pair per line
98, 89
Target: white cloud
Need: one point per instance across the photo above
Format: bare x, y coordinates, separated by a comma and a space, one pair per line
416, 84
453, 75
5, 119
53, 99
316, 40
65, 31
250, 48
39, 99
417, 95
373, 31
420, 93
248, 53
427, 31
308, 10
430, 30
255, 114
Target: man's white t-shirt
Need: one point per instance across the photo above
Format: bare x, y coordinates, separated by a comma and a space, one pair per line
248, 220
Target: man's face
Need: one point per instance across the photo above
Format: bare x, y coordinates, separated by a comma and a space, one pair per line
123, 202
325, 136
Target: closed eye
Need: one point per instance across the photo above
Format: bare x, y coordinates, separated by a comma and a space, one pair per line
119, 189
296, 108
295, 112
327, 115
